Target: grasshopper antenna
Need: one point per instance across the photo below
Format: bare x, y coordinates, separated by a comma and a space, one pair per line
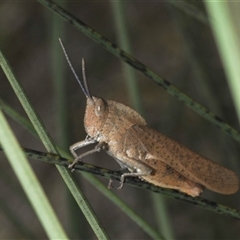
85, 79
84, 88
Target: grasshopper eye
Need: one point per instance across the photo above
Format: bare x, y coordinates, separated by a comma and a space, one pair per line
100, 107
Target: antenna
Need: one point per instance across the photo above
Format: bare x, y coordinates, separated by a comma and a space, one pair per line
85, 91
85, 79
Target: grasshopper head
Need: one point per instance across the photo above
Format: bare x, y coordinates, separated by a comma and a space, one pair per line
96, 108
95, 116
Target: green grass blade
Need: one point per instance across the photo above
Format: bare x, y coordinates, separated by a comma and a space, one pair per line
48, 143
226, 32
124, 207
57, 29
163, 219
17, 117
190, 9
29, 182
124, 42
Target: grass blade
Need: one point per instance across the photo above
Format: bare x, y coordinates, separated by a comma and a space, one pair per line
29, 182
163, 219
48, 143
226, 33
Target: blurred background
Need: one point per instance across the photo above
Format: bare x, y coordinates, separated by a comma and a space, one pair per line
174, 41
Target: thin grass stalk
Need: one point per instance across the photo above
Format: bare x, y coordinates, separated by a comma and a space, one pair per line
163, 219
57, 29
109, 174
29, 182
226, 32
190, 9
125, 208
61, 111
124, 42
48, 143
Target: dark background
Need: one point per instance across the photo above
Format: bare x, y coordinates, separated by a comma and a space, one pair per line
176, 46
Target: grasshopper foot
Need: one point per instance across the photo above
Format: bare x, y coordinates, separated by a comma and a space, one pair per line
121, 182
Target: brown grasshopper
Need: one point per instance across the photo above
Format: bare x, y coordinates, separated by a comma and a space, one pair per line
146, 153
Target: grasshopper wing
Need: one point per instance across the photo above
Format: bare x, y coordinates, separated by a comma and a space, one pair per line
187, 163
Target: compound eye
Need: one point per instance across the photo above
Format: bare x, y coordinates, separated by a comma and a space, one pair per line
100, 107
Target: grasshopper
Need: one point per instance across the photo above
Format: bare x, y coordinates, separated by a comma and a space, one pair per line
145, 152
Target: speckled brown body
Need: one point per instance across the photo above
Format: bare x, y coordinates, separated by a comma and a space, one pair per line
150, 155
